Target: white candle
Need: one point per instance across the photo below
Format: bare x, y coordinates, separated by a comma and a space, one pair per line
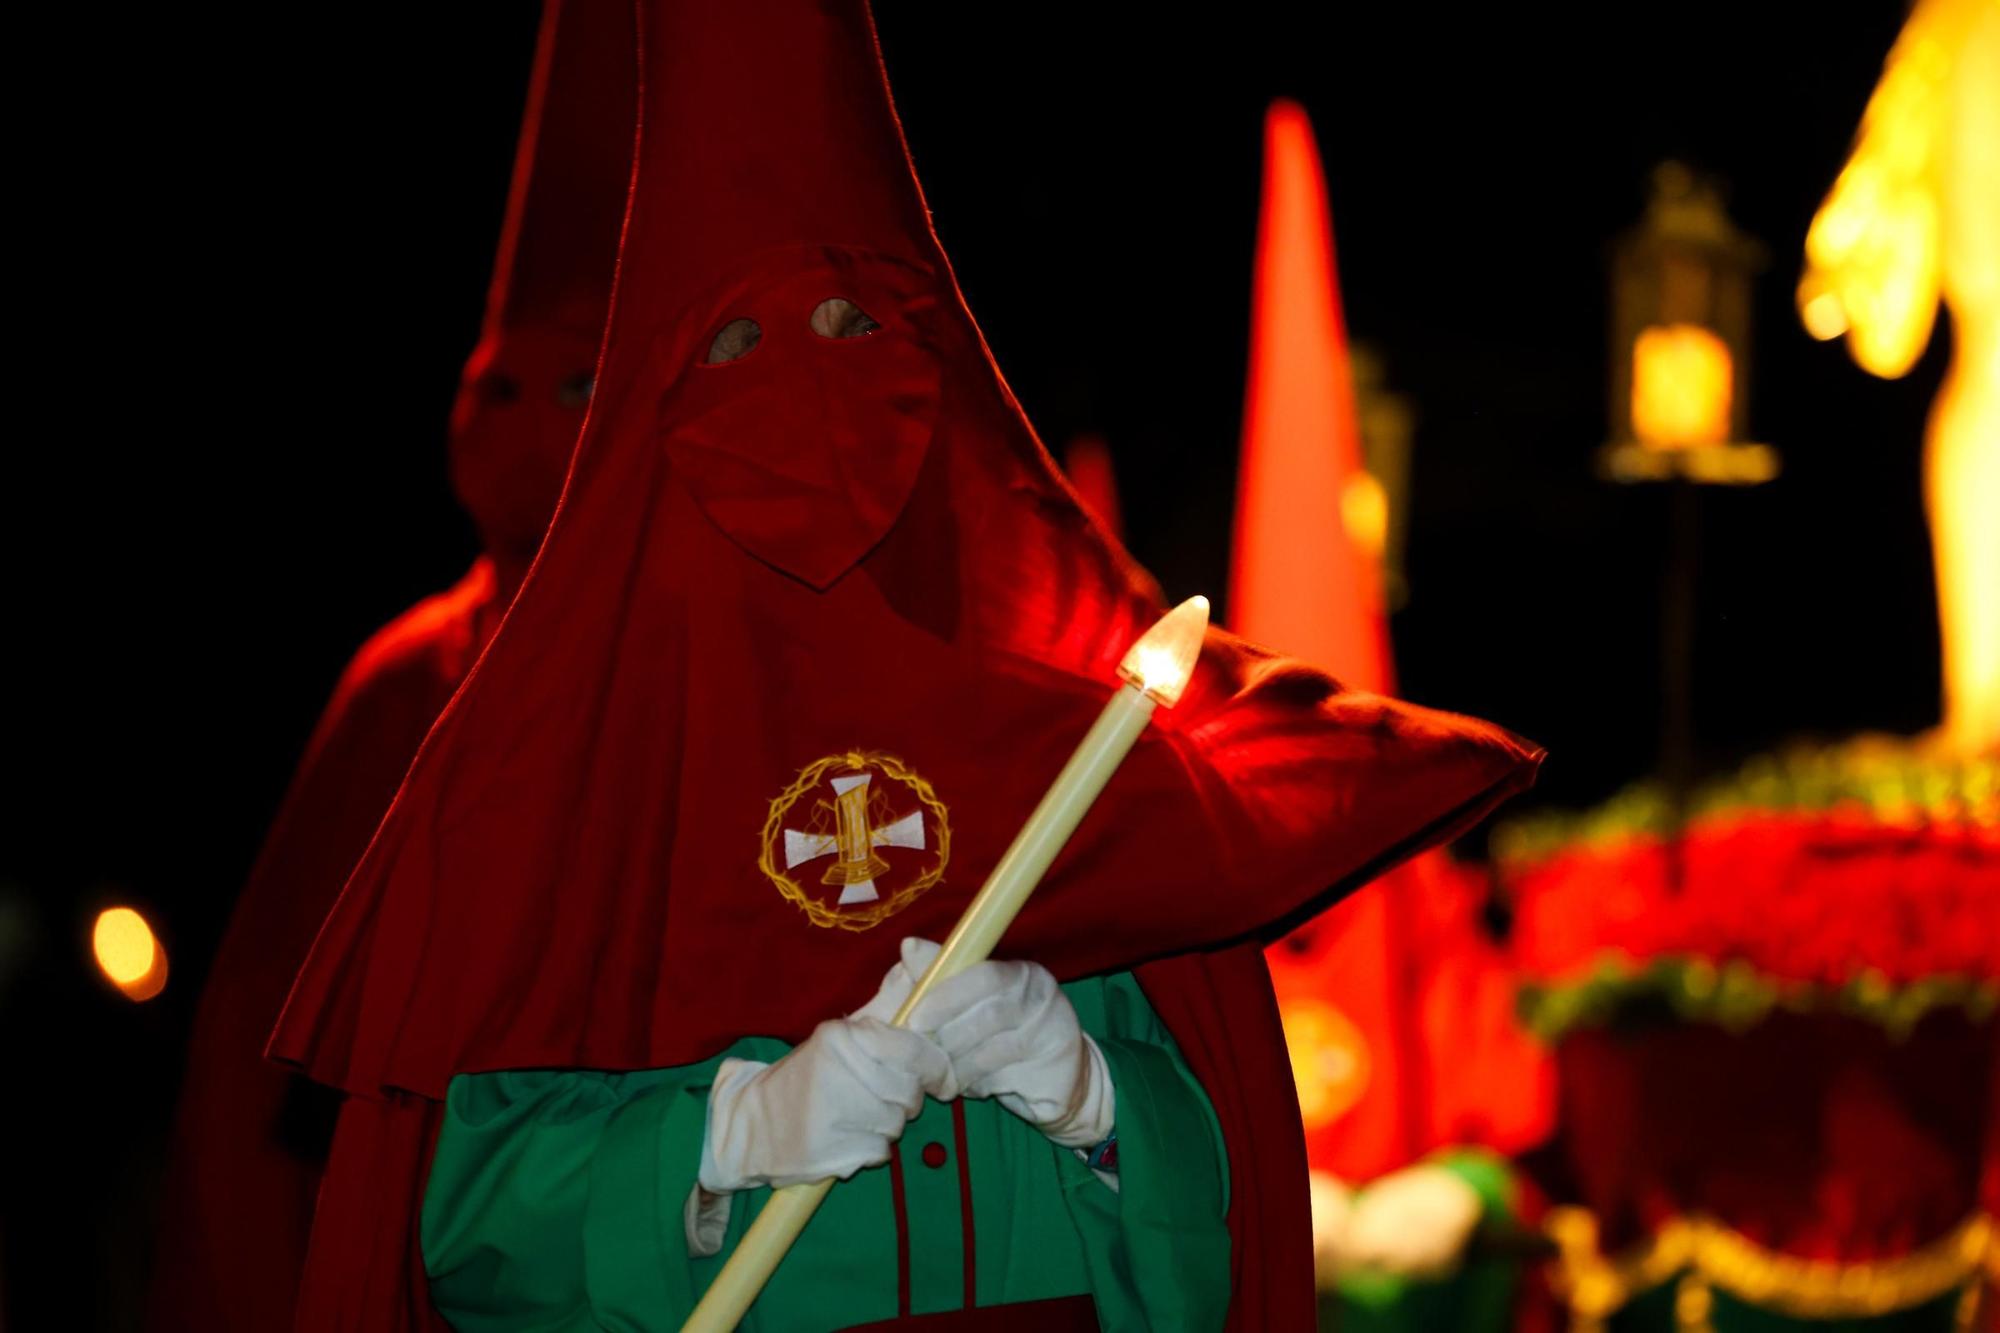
1154, 672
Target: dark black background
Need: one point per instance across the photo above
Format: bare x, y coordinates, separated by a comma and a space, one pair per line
264, 238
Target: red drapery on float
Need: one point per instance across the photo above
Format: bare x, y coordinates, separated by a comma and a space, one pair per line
1777, 1040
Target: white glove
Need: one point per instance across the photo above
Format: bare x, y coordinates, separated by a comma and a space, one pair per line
830, 1107
1011, 1035
1413, 1223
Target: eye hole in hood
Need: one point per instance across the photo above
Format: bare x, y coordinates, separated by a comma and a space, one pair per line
733, 341
838, 317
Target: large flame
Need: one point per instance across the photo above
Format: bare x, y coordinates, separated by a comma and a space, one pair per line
1912, 219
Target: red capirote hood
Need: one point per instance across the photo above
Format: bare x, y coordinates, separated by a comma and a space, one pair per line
812, 630
521, 402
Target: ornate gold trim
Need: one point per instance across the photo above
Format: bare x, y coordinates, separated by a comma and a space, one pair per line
1818, 1289
1701, 1255
809, 778
1598, 1285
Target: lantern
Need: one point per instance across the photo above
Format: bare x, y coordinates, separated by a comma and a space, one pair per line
1680, 341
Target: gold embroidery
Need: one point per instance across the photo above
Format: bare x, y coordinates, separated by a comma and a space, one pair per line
1809, 1289
1597, 1285
850, 828
1701, 1255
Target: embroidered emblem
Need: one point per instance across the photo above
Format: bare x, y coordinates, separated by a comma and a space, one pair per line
847, 809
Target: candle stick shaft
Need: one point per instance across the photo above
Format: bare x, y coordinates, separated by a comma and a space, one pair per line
971, 941
756, 1257
1022, 866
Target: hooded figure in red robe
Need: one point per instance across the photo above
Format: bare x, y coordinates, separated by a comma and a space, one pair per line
1399, 1009
251, 1138
809, 547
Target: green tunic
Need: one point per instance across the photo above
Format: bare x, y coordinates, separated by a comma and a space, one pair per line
555, 1202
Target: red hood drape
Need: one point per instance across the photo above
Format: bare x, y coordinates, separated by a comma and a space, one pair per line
773, 572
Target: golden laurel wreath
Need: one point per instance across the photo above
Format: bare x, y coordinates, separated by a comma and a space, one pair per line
810, 777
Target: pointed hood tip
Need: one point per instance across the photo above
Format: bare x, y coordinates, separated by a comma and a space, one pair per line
1302, 450
521, 400
1287, 111
800, 145
572, 169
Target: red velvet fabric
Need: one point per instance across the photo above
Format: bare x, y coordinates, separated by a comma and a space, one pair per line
250, 1138
805, 451
1800, 895
764, 563
372, 1278
1814, 1134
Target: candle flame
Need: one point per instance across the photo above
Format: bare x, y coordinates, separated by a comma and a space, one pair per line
1161, 662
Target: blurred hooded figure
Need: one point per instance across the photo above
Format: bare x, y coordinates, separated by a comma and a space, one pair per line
251, 1138
1415, 1081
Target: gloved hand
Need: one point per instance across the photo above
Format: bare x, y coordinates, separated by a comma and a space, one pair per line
833, 1105
1011, 1035
1414, 1222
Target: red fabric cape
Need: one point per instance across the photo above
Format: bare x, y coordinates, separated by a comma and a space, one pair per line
820, 554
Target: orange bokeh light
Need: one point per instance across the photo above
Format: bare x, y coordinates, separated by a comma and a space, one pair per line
1682, 387
1330, 1064
1364, 512
128, 953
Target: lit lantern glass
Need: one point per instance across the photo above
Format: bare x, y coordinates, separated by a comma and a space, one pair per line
1680, 328
1682, 387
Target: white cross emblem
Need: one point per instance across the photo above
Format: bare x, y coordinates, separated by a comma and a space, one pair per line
854, 841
